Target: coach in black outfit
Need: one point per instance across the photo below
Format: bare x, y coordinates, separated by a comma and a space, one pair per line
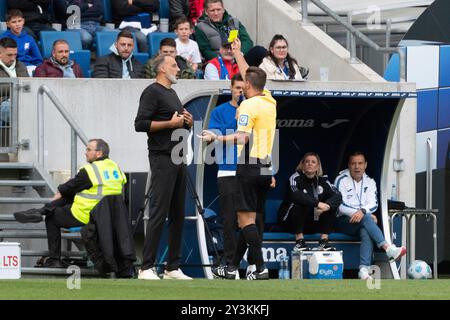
160, 113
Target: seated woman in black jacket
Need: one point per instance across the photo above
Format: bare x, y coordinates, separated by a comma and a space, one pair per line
310, 203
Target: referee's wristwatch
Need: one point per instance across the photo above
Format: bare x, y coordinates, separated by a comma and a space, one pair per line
363, 210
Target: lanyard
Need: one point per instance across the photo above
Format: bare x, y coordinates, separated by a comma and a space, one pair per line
223, 70
359, 196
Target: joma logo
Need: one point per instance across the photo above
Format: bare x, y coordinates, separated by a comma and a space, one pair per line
308, 123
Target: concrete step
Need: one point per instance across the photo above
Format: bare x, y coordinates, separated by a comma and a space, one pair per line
24, 200
36, 234
40, 253
16, 165
23, 183
7, 217
22, 226
58, 271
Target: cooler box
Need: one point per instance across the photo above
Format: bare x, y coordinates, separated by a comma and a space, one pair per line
317, 265
9, 260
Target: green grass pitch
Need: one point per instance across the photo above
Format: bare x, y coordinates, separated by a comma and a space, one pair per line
203, 289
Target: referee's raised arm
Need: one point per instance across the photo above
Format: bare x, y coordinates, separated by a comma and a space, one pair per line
239, 57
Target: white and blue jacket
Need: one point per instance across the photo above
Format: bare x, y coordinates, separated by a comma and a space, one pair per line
356, 195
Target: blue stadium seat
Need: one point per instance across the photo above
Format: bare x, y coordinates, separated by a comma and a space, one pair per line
164, 10
105, 39
144, 18
155, 38
107, 11
82, 57
3, 10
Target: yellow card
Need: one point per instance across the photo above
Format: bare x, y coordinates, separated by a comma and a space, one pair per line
233, 35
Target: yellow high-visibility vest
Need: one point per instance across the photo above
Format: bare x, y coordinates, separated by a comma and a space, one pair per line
106, 178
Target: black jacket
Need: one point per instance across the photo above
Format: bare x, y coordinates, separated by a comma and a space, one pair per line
108, 237
31, 9
178, 9
300, 191
121, 8
110, 66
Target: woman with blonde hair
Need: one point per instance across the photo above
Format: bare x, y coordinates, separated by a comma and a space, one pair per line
310, 203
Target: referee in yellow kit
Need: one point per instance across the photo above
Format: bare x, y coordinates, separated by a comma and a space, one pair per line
254, 136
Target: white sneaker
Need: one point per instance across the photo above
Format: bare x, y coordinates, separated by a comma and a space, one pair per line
250, 269
237, 275
364, 274
175, 275
149, 274
393, 252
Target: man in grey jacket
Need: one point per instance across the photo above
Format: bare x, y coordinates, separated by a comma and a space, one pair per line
120, 63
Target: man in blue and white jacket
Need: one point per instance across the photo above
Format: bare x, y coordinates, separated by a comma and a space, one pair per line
356, 213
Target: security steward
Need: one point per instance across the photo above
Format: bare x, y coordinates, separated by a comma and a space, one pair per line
254, 136
72, 204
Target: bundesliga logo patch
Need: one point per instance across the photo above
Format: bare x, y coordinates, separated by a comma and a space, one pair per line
243, 120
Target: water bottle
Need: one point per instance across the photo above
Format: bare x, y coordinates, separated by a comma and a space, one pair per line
281, 271
394, 192
287, 273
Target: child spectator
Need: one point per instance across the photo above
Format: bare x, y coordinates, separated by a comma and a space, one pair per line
27, 50
36, 14
186, 47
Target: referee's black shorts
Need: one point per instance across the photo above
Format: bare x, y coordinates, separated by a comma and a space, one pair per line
252, 187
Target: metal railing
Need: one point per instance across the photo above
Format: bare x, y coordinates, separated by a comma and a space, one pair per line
8, 115
353, 34
75, 128
429, 179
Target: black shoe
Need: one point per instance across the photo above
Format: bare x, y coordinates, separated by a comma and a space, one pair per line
300, 246
31, 215
324, 246
262, 275
53, 263
224, 272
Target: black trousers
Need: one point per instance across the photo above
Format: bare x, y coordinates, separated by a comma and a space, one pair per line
167, 196
227, 187
301, 220
58, 215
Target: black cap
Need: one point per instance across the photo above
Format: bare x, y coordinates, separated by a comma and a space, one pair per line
224, 41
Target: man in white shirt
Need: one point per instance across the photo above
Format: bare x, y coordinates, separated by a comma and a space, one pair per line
356, 213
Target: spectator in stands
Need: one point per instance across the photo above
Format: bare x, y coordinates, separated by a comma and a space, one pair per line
27, 50
279, 65
120, 63
224, 66
186, 47
72, 204
59, 65
168, 47
310, 203
91, 15
36, 14
215, 25
191, 9
356, 214
129, 9
10, 67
